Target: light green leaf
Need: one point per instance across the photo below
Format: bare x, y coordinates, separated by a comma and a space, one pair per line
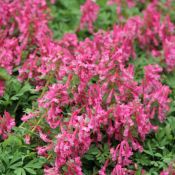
20, 171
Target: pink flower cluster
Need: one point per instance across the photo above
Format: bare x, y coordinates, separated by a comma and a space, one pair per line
89, 12
6, 124
24, 34
2, 87
157, 34
103, 99
153, 31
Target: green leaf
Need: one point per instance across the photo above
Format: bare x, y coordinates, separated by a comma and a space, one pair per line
93, 150
35, 164
15, 159
16, 165
20, 171
2, 169
89, 157
149, 152
4, 74
30, 170
158, 155
26, 88
138, 172
12, 140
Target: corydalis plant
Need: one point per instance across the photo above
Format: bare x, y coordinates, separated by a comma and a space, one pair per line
89, 95
96, 96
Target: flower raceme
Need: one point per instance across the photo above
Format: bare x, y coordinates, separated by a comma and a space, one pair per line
6, 125
89, 12
2, 87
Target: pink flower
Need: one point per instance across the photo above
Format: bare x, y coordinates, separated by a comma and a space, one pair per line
169, 52
44, 136
122, 153
2, 87
89, 14
27, 139
6, 124
43, 150
164, 173
51, 171
154, 92
74, 167
118, 170
103, 169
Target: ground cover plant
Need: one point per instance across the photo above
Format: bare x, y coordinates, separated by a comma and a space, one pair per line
87, 87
